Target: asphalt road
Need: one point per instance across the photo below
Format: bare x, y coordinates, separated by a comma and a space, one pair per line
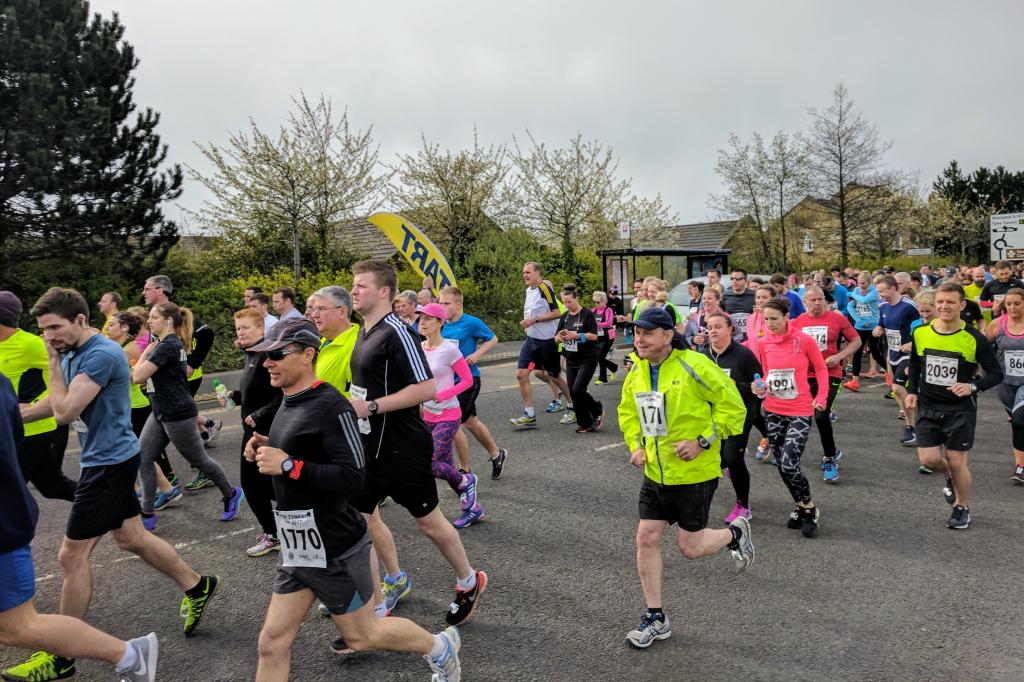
884, 592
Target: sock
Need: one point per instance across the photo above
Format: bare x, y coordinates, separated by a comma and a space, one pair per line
736, 535
199, 589
392, 579
528, 411
570, 407
464, 483
467, 584
148, 516
129, 659
439, 647
656, 613
380, 611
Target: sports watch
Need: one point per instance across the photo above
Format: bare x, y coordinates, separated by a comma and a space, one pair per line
287, 465
372, 406
704, 442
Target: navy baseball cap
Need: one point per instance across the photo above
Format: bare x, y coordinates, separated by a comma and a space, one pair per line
293, 330
653, 318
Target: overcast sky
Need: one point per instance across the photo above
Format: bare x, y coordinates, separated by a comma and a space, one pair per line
663, 83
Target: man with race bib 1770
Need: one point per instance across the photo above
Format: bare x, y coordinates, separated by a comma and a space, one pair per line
677, 408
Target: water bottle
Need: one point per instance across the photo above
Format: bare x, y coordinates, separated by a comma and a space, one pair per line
759, 383
223, 394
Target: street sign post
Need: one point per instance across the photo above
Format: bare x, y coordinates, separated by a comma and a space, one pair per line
624, 232
919, 252
1007, 236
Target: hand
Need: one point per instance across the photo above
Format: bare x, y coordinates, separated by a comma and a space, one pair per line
910, 402
527, 323
250, 422
759, 392
52, 355
877, 331
577, 335
222, 401
269, 460
960, 390
473, 358
362, 407
621, 318
238, 343
257, 441
833, 360
818, 406
905, 348
688, 449
189, 371
699, 339
638, 458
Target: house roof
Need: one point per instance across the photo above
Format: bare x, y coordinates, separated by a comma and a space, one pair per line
699, 236
364, 240
194, 243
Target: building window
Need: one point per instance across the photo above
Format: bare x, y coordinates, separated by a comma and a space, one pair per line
808, 243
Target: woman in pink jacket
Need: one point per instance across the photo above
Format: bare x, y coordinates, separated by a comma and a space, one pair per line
787, 354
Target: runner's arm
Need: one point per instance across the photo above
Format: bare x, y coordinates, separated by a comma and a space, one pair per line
344, 472
629, 419
914, 369
461, 368
69, 402
143, 371
986, 356
31, 412
853, 341
410, 396
819, 367
203, 338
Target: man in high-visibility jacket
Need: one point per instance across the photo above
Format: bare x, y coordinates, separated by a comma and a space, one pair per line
677, 407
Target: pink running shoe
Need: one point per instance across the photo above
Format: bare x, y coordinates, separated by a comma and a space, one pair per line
737, 512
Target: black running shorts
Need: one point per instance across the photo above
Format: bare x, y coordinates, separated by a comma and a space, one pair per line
955, 430
406, 477
542, 354
344, 586
105, 498
689, 504
467, 400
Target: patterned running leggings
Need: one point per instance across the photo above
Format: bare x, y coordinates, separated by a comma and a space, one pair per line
787, 437
441, 465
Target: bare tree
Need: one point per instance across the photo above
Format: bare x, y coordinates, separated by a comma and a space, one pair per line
846, 157
314, 175
783, 167
454, 196
558, 192
748, 193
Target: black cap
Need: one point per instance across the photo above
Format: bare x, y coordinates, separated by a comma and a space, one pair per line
653, 318
293, 330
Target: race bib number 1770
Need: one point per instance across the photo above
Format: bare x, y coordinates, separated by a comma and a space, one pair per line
301, 543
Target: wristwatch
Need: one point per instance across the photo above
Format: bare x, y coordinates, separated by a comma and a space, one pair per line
974, 387
287, 465
372, 406
704, 442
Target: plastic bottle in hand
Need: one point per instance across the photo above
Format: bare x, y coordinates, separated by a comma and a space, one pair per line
224, 394
759, 384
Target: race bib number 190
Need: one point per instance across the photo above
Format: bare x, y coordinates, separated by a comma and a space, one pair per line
301, 543
651, 406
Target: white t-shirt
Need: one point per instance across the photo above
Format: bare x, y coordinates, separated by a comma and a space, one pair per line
540, 301
441, 360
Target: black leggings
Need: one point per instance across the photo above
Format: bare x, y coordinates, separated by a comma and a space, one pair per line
873, 345
788, 437
258, 488
823, 418
1008, 396
732, 459
578, 377
41, 458
604, 363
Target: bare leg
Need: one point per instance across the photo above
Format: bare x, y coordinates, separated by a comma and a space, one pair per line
443, 534
76, 592
284, 617
961, 475
649, 561
525, 389
156, 552
363, 631
64, 636
462, 448
482, 435
702, 543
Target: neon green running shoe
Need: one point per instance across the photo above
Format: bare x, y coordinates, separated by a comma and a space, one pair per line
396, 591
40, 667
192, 608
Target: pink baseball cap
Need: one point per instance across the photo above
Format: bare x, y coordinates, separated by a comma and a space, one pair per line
435, 310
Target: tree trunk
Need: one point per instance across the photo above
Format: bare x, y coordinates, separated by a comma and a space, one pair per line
296, 252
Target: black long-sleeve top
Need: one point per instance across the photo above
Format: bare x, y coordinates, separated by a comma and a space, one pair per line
202, 342
255, 396
938, 360
740, 363
317, 427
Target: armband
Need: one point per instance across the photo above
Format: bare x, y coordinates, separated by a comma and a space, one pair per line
583, 338
296, 470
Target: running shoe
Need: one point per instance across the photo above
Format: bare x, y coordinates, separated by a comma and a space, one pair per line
650, 629
739, 511
469, 517
909, 437
326, 613
831, 475
600, 382
264, 546
948, 491
192, 608
833, 416
447, 667
569, 417
891, 395
888, 380
960, 519
584, 429
839, 455
168, 499
147, 649
1018, 475
611, 375
524, 421
871, 374
924, 470
762, 450
743, 555
199, 482
809, 522
468, 496
232, 505
901, 415
395, 590
794, 521
339, 646
149, 522
461, 610
599, 422
212, 432
852, 385
554, 406
40, 667
173, 479
498, 464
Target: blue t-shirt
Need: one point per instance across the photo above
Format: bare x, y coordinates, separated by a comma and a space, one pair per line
896, 320
841, 296
467, 332
796, 306
654, 376
109, 439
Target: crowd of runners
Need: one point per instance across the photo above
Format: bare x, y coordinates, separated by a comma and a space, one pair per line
369, 396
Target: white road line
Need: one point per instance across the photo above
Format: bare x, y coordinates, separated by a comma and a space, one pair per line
609, 447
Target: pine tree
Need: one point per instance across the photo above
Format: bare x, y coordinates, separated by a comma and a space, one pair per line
80, 169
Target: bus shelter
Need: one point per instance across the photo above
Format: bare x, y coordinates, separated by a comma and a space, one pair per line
620, 267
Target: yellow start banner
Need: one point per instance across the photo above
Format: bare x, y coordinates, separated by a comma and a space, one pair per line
416, 248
